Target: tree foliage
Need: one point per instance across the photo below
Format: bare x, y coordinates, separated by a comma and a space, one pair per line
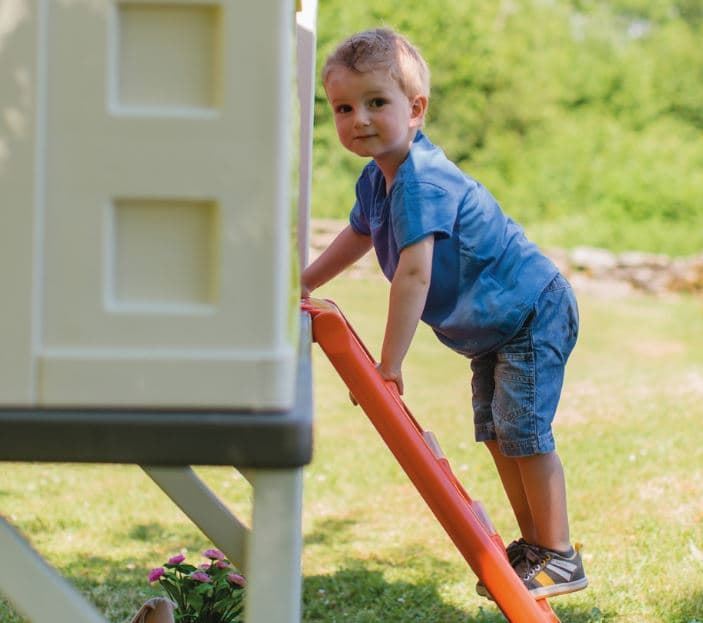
584, 117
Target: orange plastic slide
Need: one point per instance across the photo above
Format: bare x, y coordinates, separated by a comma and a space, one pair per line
419, 454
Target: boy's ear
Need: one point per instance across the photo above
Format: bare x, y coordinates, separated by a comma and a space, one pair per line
418, 108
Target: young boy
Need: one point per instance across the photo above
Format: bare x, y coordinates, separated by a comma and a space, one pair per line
456, 261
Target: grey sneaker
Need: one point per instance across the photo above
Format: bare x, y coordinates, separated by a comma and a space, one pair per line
516, 558
547, 573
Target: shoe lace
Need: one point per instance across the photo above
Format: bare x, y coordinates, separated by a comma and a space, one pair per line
515, 551
537, 558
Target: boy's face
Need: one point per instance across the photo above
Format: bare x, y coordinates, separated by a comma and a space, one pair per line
374, 117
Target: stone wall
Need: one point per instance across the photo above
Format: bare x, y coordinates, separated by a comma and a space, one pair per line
648, 272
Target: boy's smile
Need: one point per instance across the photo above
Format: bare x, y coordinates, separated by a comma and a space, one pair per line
373, 116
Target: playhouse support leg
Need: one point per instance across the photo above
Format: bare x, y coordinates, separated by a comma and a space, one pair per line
204, 509
35, 589
275, 547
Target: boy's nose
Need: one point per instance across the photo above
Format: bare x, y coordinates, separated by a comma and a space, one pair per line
361, 119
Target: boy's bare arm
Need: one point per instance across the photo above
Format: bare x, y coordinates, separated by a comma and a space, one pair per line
346, 248
409, 288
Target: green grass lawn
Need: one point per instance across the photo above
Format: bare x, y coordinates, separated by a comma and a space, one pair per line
629, 433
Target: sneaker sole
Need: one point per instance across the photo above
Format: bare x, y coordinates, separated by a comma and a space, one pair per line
559, 589
544, 592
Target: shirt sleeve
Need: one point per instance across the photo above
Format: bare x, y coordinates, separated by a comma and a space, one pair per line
358, 219
420, 209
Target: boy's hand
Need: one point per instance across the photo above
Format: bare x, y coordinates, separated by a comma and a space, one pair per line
391, 374
396, 377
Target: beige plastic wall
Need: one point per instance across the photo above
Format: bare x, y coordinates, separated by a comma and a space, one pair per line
145, 155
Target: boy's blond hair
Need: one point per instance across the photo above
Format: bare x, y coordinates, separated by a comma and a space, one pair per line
384, 49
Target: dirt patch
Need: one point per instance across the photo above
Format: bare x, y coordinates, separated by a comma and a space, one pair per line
677, 500
658, 348
692, 382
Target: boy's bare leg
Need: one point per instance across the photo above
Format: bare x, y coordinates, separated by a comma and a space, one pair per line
536, 489
509, 472
544, 487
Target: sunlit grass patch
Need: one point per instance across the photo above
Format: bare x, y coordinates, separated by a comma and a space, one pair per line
629, 433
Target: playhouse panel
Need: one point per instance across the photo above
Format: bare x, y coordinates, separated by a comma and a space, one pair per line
162, 274
18, 196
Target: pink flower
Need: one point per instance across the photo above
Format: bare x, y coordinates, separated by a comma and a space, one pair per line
204, 566
213, 554
199, 576
235, 578
156, 574
222, 564
176, 560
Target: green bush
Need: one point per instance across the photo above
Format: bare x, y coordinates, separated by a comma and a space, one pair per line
584, 118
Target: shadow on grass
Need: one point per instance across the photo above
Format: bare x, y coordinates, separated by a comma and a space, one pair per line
359, 595
114, 589
117, 588
356, 594
147, 532
329, 530
579, 614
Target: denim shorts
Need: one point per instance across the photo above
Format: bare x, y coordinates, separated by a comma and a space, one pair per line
516, 388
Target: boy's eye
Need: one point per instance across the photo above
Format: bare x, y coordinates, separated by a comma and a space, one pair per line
378, 102
343, 108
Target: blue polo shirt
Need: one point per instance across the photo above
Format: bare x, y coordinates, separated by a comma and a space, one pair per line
486, 275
